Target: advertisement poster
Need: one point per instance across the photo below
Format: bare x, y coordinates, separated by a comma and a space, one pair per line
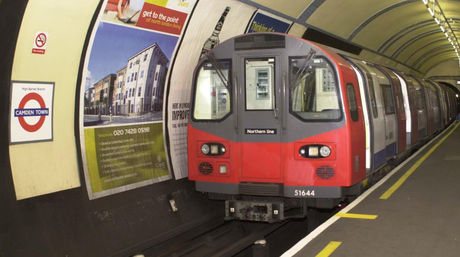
31, 112
122, 93
267, 22
213, 21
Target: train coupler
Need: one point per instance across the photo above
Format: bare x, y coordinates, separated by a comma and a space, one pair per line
254, 211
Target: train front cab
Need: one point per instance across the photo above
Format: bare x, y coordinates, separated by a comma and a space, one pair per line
272, 120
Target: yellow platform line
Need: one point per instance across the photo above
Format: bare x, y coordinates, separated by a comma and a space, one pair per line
402, 179
365, 182
329, 249
356, 216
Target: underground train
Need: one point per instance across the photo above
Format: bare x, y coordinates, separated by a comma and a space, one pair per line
280, 125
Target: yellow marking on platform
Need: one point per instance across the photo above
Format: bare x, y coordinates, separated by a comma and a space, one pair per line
402, 179
365, 182
356, 216
329, 249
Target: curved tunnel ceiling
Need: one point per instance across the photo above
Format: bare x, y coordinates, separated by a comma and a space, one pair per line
403, 30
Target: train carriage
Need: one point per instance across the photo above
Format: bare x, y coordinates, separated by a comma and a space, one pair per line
279, 125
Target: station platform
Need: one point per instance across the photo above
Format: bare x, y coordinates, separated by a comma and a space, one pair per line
413, 211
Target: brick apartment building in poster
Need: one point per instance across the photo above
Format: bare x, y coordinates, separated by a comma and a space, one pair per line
135, 89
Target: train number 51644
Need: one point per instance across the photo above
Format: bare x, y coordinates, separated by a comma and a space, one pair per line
304, 193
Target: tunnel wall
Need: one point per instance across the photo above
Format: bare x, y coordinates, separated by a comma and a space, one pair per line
46, 210
53, 215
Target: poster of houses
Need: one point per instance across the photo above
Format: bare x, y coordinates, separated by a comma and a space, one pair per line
122, 93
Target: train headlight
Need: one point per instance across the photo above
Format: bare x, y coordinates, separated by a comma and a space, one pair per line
302, 151
205, 149
222, 169
213, 149
325, 151
313, 151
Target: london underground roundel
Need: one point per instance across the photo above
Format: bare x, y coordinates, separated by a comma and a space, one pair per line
31, 112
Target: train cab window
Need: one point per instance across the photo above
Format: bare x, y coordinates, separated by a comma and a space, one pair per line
260, 79
212, 94
313, 87
352, 102
388, 99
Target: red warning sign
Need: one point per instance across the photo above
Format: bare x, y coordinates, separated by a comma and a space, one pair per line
40, 42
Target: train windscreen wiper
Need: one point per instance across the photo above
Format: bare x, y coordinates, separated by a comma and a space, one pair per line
218, 68
300, 72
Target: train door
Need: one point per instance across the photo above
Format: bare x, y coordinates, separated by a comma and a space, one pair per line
420, 102
259, 110
407, 110
376, 118
411, 99
442, 101
450, 104
366, 105
399, 107
385, 96
434, 106
428, 108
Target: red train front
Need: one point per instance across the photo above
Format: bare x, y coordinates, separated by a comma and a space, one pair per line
271, 125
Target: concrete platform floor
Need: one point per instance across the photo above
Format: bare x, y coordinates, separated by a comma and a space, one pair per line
421, 217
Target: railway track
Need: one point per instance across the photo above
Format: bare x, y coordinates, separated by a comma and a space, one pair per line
241, 239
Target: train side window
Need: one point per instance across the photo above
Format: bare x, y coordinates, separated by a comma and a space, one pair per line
260, 82
352, 102
372, 94
212, 94
313, 88
388, 99
370, 85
